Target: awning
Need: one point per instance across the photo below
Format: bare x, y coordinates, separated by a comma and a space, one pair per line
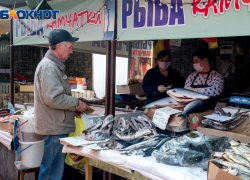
179, 19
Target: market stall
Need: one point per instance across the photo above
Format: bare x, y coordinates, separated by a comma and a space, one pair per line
141, 20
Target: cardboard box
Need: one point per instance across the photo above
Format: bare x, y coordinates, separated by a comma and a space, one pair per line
236, 136
135, 89
214, 172
6, 126
24, 88
77, 79
180, 123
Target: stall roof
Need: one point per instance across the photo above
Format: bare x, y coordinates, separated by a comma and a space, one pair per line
11, 3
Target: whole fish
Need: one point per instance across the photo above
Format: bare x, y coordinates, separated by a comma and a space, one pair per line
237, 158
168, 101
117, 121
140, 121
234, 145
142, 132
245, 151
147, 119
109, 128
135, 124
194, 107
124, 123
127, 144
228, 164
109, 119
225, 156
131, 125
96, 136
185, 95
128, 138
148, 143
94, 127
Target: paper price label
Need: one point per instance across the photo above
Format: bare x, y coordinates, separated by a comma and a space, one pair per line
161, 116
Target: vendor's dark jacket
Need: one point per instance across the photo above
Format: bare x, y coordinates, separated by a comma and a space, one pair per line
153, 78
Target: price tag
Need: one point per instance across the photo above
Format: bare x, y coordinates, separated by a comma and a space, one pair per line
161, 116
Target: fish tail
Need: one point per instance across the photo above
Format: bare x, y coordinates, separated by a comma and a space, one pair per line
183, 115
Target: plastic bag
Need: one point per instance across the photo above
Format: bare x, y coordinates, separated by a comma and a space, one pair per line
217, 144
78, 132
86, 121
30, 115
165, 157
189, 157
11, 108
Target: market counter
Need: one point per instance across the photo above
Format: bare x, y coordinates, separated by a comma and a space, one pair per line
146, 166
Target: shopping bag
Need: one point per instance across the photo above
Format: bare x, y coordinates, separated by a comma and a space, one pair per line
79, 162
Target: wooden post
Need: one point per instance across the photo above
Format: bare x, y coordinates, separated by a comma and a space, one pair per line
88, 170
112, 77
108, 67
11, 64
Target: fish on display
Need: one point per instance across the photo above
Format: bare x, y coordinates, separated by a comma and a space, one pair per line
184, 95
168, 101
228, 164
109, 119
194, 107
94, 127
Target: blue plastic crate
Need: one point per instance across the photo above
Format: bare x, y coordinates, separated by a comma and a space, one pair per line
125, 97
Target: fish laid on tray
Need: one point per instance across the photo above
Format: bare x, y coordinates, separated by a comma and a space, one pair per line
237, 119
236, 161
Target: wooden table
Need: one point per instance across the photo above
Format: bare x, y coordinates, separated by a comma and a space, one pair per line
109, 171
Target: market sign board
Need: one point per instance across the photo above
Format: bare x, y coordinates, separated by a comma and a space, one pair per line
176, 19
90, 20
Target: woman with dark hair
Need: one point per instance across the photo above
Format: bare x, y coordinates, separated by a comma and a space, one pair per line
157, 80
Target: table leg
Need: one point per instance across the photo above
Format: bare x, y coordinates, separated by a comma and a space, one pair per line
36, 175
18, 175
105, 175
22, 175
88, 170
111, 176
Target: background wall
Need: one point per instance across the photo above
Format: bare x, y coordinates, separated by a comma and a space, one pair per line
79, 64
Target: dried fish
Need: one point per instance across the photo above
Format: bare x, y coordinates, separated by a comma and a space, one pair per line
127, 138
237, 158
142, 132
228, 164
109, 119
94, 127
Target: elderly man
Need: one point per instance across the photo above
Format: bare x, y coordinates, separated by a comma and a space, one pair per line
53, 104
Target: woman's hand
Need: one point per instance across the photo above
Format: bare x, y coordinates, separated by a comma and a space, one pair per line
162, 88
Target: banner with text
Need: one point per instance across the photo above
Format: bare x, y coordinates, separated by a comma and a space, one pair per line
176, 19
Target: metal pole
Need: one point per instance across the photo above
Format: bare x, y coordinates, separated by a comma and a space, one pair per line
112, 77
129, 57
113, 65
108, 62
11, 64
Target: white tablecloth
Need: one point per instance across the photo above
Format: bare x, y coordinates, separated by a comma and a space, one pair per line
147, 166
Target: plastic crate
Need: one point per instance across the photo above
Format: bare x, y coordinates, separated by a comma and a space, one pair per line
125, 97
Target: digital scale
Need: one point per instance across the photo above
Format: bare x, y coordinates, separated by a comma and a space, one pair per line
241, 100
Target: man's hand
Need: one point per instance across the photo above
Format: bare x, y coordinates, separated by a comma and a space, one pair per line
78, 114
192, 89
162, 88
82, 107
